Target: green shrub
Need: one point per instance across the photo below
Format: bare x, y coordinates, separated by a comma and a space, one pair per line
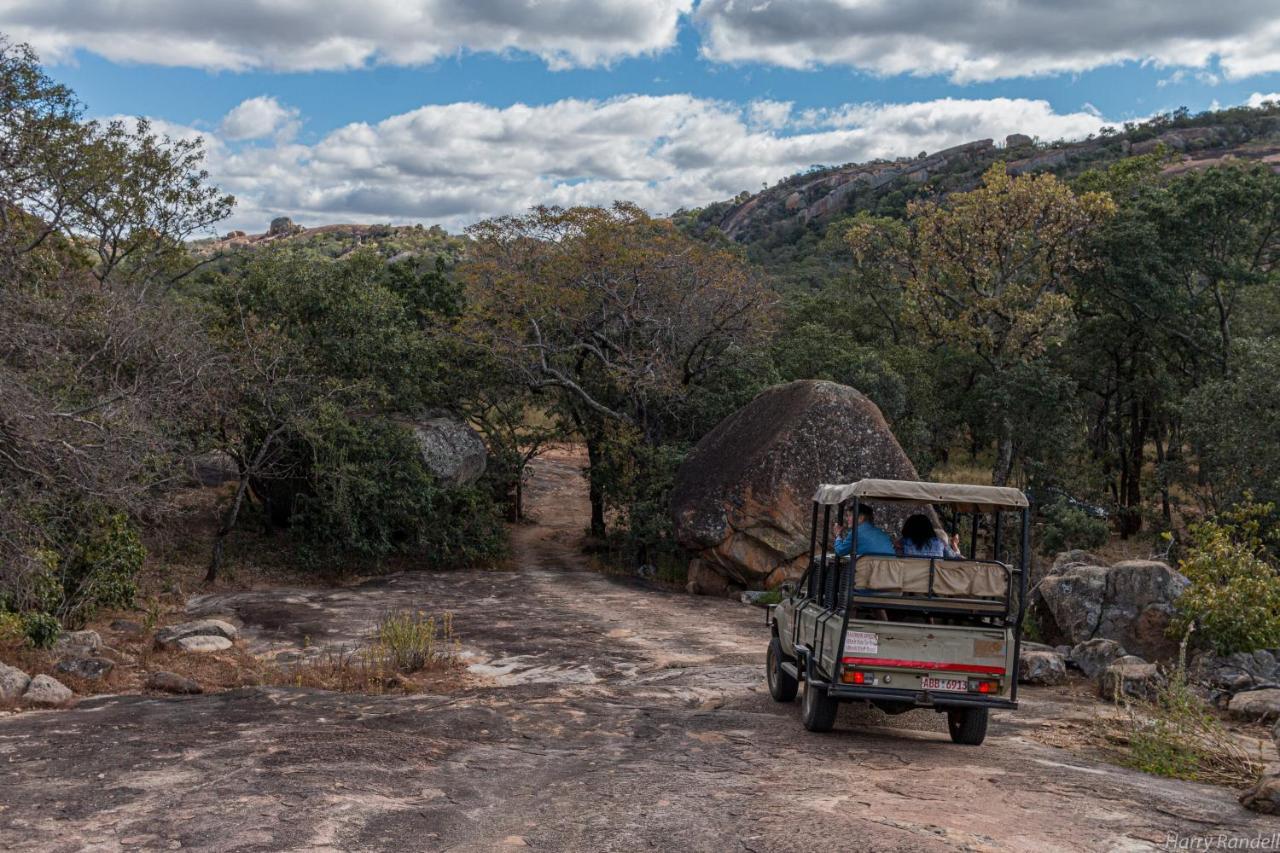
371, 495
101, 568
1234, 597
41, 629
12, 630
1068, 527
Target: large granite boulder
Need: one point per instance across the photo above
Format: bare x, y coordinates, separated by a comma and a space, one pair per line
451, 450
1131, 602
742, 499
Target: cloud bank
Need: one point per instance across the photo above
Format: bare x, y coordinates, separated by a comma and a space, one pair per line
457, 163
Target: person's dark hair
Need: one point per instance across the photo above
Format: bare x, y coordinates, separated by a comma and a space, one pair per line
867, 512
918, 530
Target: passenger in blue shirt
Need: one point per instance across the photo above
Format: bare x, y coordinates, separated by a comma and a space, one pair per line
919, 539
871, 539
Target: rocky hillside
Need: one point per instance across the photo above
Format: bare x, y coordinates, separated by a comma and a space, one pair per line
807, 202
391, 241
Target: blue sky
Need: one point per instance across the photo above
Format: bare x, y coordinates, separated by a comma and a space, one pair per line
452, 110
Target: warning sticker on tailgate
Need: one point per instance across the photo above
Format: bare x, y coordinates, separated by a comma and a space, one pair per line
861, 643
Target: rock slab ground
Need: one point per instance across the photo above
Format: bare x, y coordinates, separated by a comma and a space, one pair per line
607, 717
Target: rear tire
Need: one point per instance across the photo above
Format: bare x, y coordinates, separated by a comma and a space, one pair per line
967, 726
782, 687
818, 710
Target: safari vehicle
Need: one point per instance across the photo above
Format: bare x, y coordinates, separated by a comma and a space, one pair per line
906, 633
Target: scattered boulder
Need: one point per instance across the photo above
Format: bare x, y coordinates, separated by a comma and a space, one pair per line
214, 468
742, 498
171, 682
1130, 677
82, 643
1017, 140
1041, 667
1092, 657
1239, 671
45, 691
171, 636
88, 668
231, 235
1263, 797
755, 597
1075, 557
282, 226
203, 644
13, 683
451, 450
128, 627
1261, 706
702, 579
1131, 602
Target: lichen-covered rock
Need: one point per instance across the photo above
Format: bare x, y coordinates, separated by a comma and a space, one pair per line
742, 499
1092, 657
1261, 706
1131, 602
203, 644
1041, 667
283, 226
88, 668
1239, 671
13, 683
1130, 677
45, 691
1075, 557
170, 636
78, 643
451, 450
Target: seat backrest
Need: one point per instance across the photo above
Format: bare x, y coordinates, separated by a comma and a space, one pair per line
959, 578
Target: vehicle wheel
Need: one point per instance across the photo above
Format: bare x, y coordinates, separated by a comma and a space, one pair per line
967, 725
782, 687
818, 710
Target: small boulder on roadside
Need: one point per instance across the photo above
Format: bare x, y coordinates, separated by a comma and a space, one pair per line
203, 644
170, 636
127, 627
1261, 706
83, 643
1263, 797
1075, 557
13, 683
1092, 657
171, 682
88, 668
702, 579
1130, 677
1041, 667
45, 691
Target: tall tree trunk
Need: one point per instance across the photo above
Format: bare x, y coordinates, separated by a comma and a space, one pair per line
594, 490
228, 524
1004, 454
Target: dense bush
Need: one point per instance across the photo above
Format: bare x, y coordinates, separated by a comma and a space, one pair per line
1234, 597
1068, 527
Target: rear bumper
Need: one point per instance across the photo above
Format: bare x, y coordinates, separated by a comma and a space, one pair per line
918, 698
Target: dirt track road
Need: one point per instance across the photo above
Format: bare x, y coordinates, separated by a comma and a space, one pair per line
606, 717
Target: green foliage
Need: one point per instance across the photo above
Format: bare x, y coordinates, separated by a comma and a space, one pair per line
12, 629
101, 568
41, 629
1068, 527
1234, 597
369, 494
1178, 736
636, 478
411, 642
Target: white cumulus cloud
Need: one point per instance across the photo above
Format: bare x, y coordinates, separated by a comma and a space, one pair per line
973, 40
260, 117
457, 163
336, 34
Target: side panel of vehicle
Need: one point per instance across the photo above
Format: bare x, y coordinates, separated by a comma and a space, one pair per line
784, 621
912, 652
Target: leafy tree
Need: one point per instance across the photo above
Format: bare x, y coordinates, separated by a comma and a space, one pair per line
989, 271
619, 314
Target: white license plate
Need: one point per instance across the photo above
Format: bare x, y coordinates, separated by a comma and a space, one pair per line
959, 684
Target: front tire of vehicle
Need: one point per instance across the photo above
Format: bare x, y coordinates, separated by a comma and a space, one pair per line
967, 726
818, 710
782, 687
